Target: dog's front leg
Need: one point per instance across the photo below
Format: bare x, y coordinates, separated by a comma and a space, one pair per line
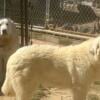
79, 92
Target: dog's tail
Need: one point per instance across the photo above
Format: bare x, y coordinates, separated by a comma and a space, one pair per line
7, 88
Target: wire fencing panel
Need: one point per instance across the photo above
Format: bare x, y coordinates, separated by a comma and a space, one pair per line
37, 9
12, 9
74, 15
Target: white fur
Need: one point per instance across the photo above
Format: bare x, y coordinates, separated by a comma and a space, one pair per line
8, 43
74, 67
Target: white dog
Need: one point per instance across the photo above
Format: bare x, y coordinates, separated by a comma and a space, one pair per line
8, 43
74, 67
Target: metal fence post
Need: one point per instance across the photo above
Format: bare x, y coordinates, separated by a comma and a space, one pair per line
47, 13
4, 8
22, 22
26, 22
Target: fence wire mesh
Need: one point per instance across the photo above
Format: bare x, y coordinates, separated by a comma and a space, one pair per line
74, 15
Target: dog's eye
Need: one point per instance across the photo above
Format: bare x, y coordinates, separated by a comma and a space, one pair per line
7, 24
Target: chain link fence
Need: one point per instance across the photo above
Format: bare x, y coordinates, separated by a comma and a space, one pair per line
10, 9
75, 15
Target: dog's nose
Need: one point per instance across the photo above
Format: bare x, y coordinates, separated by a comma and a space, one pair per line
4, 32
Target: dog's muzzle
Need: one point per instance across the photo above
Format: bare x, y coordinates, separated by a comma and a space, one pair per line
4, 32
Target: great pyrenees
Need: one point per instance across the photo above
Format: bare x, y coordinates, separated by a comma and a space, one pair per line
8, 43
75, 67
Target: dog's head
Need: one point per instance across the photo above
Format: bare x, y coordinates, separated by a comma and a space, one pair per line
7, 27
95, 48
7, 31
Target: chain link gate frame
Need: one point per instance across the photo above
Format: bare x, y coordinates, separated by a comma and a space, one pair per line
24, 22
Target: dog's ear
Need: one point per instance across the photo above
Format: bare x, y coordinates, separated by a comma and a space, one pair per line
95, 48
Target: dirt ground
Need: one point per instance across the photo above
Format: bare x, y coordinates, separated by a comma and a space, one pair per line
6, 98
56, 94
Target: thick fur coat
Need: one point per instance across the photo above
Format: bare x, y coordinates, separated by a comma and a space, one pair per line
74, 67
